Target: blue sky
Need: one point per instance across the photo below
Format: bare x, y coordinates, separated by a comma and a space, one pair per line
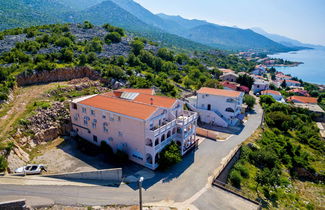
303, 20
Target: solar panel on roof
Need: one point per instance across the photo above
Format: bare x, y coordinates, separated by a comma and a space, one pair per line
129, 96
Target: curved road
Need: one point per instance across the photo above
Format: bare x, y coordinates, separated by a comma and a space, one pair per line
188, 182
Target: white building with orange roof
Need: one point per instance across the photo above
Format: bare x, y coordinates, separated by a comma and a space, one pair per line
134, 121
219, 107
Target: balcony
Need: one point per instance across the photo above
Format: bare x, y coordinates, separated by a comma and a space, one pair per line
162, 129
186, 118
159, 147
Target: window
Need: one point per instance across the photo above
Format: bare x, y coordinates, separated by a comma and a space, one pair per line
94, 123
86, 119
120, 134
230, 100
118, 118
76, 117
230, 109
104, 116
111, 117
84, 110
92, 112
95, 138
105, 127
74, 106
209, 106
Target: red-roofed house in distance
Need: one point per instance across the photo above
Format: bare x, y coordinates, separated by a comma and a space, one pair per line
229, 85
292, 83
302, 99
218, 106
136, 122
299, 92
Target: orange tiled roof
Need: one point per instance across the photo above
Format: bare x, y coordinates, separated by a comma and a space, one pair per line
219, 92
134, 90
120, 106
226, 70
303, 99
160, 101
265, 92
293, 81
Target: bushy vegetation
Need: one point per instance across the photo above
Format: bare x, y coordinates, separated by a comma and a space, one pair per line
250, 101
170, 155
161, 68
289, 150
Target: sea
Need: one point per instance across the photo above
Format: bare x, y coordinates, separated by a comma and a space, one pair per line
313, 68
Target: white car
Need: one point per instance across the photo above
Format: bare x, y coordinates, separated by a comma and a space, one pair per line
31, 169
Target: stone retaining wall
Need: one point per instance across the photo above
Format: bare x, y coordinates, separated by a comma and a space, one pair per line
56, 75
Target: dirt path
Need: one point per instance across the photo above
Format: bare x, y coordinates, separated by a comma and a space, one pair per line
22, 97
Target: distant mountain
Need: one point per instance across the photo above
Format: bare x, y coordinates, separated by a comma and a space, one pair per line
224, 37
202, 31
80, 4
285, 40
109, 12
18, 13
171, 30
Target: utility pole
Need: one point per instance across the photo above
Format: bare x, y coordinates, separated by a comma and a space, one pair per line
140, 192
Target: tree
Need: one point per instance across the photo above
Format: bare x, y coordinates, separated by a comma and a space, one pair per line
82, 59
249, 101
266, 99
245, 80
3, 163
284, 84
235, 178
165, 54
320, 98
137, 46
87, 25
66, 55
170, 155
212, 83
63, 42
114, 37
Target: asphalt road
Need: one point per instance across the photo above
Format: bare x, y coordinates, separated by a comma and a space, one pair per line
178, 184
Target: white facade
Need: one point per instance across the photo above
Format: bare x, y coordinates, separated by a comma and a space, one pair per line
141, 138
260, 85
221, 110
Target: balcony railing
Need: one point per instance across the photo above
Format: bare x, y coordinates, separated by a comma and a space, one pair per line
162, 129
186, 118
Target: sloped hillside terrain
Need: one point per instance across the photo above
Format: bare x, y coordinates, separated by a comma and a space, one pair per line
53, 53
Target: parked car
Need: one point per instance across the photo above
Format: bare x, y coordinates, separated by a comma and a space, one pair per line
31, 169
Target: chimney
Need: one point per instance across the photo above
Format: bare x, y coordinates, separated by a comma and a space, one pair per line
151, 101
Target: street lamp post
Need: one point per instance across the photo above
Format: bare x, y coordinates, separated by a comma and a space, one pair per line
140, 192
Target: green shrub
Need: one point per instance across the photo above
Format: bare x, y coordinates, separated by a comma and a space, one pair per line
87, 25
3, 163
114, 37
137, 46
243, 171
63, 42
235, 178
169, 156
249, 101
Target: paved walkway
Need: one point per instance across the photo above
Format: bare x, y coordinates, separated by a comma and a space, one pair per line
187, 183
